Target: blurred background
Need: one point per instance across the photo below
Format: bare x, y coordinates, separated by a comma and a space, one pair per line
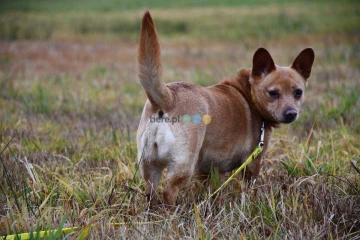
70, 101
48, 45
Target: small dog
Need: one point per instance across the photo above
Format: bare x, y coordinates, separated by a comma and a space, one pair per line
171, 134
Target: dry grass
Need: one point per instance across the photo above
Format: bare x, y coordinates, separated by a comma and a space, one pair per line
71, 108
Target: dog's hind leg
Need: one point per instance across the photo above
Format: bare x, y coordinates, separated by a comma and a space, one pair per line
181, 169
178, 176
180, 172
151, 174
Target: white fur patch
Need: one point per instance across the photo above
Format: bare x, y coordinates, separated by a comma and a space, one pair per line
165, 139
157, 142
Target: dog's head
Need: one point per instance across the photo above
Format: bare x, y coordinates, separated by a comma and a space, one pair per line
277, 91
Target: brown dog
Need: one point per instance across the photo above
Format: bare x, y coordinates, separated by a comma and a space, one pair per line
237, 106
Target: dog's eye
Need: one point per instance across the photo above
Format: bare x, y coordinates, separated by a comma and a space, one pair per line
273, 94
298, 93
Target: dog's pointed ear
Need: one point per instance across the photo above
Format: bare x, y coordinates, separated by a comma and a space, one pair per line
304, 62
263, 63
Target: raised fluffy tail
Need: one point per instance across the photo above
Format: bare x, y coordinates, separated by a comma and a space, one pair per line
150, 65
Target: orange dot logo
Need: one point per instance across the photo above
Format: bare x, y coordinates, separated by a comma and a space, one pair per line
206, 119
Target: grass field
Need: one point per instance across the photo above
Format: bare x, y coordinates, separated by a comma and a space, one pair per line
70, 104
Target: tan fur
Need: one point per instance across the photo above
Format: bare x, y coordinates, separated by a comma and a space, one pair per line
237, 106
150, 65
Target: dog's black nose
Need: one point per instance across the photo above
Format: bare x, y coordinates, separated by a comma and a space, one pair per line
290, 115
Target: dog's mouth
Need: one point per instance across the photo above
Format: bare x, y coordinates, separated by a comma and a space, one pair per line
288, 121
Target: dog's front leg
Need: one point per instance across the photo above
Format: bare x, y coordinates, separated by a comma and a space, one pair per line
253, 168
